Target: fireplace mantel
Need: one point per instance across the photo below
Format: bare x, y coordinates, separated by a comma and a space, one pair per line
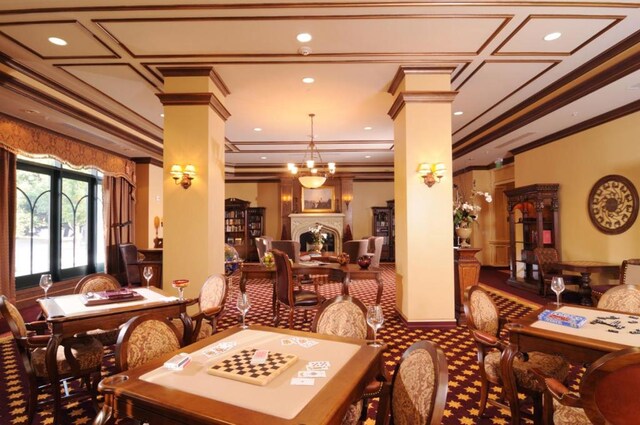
331, 222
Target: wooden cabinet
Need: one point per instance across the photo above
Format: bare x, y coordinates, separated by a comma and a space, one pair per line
466, 274
242, 225
533, 222
384, 225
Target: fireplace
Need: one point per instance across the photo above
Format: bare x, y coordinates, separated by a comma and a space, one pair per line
332, 224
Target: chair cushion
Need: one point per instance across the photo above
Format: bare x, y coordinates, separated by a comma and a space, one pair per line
105, 337
305, 298
352, 416
565, 415
413, 388
88, 351
553, 366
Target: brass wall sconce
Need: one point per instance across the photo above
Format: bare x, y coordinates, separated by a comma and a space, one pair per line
431, 173
184, 176
347, 199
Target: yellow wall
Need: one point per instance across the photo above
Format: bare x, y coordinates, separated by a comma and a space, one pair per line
576, 163
148, 203
365, 196
260, 195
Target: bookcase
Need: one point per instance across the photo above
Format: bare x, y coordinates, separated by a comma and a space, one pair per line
384, 225
533, 222
242, 225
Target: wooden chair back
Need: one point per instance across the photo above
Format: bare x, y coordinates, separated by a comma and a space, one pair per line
284, 277
213, 293
96, 282
343, 315
13, 317
545, 257
630, 271
144, 338
622, 298
291, 248
375, 247
129, 254
481, 312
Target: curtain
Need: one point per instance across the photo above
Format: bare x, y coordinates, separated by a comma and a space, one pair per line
119, 210
7, 223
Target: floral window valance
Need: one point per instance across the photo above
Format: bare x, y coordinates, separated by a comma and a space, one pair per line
25, 139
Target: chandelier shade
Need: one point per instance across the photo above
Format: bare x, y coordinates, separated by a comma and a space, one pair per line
312, 173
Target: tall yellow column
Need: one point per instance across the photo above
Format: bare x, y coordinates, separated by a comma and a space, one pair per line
194, 119
423, 215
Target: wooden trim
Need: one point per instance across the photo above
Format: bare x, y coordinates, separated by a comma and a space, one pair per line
420, 97
27, 297
193, 99
148, 160
404, 70
441, 324
199, 71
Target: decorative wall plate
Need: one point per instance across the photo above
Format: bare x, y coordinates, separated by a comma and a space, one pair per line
613, 204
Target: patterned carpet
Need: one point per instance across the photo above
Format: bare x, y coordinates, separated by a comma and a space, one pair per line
464, 383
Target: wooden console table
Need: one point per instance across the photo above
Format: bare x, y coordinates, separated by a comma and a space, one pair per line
466, 274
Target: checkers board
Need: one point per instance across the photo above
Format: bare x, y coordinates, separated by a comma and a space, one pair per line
238, 367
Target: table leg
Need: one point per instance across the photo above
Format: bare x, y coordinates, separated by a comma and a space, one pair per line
54, 379
188, 336
380, 287
585, 289
345, 284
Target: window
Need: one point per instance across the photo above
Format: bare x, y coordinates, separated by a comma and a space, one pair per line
59, 222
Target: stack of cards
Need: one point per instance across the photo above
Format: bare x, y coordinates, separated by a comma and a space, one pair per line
219, 348
316, 369
302, 342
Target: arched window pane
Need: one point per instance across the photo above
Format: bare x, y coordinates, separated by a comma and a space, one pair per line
74, 224
33, 218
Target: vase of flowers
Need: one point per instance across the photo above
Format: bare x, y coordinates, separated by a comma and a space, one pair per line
465, 212
318, 238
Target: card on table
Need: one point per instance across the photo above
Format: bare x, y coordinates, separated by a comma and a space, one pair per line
312, 374
303, 381
318, 365
219, 348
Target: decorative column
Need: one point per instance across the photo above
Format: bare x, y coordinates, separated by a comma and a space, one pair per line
423, 214
467, 273
194, 120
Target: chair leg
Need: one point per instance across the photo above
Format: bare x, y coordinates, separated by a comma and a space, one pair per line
484, 394
55, 389
33, 400
537, 408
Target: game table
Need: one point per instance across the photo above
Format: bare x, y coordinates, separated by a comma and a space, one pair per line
156, 395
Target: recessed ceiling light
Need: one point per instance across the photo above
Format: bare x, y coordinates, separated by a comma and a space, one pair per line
367, 156
303, 37
263, 157
57, 41
368, 128
308, 80
458, 113
552, 36
162, 115
257, 129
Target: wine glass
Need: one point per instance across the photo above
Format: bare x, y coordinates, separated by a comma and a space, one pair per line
45, 283
557, 286
147, 272
243, 305
375, 319
180, 284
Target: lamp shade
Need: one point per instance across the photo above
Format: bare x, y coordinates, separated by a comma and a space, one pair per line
312, 181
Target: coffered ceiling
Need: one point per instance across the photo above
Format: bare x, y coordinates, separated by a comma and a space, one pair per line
515, 89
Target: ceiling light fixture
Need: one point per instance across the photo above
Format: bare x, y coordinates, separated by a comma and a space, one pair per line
552, 36
458, 113
257, 129
57, 41
308, 80
304, 37
311, 173
368, 128
263, 157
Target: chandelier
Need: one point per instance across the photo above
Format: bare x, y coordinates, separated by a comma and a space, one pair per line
312, 172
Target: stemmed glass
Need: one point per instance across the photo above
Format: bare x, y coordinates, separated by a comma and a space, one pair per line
180, 284
243, 305
147, 272
45, 283
557, 286
375, 319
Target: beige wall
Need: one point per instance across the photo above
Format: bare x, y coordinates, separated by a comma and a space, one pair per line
148, 203
365, 196
260, 195
576, 163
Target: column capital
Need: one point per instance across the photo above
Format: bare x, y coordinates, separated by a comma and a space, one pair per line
196, 71
420, 97
405, 70
191, 99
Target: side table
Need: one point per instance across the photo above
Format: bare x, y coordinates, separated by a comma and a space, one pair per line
466, 274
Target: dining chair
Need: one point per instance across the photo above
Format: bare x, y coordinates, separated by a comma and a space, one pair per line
418, 392
291, 248
607, 393
77, 358
286, 294
629, 274
622, 298
97, 282
130, 258
485, 324
356, 249
144, 338
346, 316
211, 300
545, 258
375, 248
263, 245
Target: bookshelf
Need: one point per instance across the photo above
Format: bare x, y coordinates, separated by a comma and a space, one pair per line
242, 225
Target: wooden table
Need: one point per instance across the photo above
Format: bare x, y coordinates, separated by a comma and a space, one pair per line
344, 274
64, 324
585, 268
150, 395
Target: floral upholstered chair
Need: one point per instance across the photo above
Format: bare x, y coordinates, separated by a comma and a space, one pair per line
213, 295
484, 323
98, 282
144, 338
629, 274
418, 393
76, 358
608, 392
623, 298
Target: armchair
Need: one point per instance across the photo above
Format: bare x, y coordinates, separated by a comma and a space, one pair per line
97, 282
622, 298
355, 249
375, 248
546, 257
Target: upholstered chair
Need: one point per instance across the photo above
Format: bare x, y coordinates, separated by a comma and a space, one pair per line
356, 249
418, 393
629, 274
263, 245
485, 324
213, 295
286, 293
76, 358
144, 338
375, 248
291, 248
601, 385
98, 282
545, 258
622, 298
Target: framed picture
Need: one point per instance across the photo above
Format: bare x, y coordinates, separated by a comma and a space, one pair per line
318, 200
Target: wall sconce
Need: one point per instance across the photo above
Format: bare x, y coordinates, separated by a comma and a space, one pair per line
431, 173
347, 199
184, 176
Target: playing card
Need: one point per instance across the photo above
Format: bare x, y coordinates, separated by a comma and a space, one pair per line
312, 374
219, 348
286, 341
303, 381
308, 343
319, 365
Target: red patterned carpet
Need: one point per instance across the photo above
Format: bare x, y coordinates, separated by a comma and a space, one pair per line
464, 384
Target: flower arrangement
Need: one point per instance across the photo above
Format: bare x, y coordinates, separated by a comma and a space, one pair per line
317, 235
466, 212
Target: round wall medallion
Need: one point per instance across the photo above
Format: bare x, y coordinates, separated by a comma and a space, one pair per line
613, 204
